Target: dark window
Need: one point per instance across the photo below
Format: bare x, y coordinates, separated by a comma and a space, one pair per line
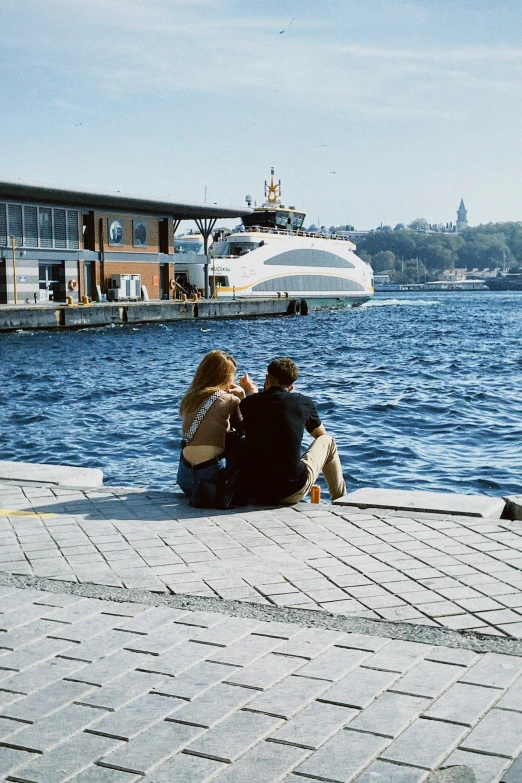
3, 224
15, 222
31, 226
45, 226
60, 231
315, 283
309, 257
73, 238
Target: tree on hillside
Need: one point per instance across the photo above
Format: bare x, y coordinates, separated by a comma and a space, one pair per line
384, 261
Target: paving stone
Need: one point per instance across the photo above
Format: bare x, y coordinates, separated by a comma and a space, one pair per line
234, 736
512, 699
494, 670
266, 758
11, 759
175, 661
26, 634
137, 716
245, 651
314, 725
359, 688
8, 726
186, 769
148, 621
228, 631
463, 703
485, 768
106, 669
398, 656
39, 676
498, 733
32, 654
309, 643
266, 672
334, 663
343, 757
456, 656
45, 701
384, 772
195, 681
152, 747
214, 705
159, 641
389, 714
427, 678
121, 691
84, 629
76, 611
54, 729
288, 696
95, 774
65, 760
425, 744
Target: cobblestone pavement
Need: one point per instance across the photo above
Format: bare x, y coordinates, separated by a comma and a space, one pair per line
461, 573
98, 691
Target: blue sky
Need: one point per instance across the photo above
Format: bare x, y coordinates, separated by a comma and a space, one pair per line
412, 103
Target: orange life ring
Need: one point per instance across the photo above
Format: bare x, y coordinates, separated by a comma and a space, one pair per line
172, 284
73, 285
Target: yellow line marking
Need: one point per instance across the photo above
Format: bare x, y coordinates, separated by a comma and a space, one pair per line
9, 512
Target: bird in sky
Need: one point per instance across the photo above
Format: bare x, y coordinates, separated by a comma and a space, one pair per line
333, 172
78, 124
289, 26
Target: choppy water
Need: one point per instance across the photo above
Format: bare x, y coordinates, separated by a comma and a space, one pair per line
421, 391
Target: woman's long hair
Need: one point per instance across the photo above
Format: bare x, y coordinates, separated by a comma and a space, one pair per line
215, 372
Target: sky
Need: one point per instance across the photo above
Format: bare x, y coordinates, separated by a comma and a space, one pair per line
371, 111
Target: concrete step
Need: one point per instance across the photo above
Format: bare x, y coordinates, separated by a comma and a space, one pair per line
431, 502
50, 475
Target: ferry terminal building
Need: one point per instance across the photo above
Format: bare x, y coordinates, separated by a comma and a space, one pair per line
57, 243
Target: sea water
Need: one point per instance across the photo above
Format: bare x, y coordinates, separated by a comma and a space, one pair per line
421, 391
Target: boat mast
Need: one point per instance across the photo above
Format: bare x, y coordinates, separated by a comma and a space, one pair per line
273, 191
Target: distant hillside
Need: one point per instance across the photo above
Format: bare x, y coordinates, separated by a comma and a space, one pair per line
411, 256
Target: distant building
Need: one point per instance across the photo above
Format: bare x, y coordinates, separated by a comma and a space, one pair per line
462, 217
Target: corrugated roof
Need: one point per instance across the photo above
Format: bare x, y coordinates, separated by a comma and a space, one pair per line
19, 190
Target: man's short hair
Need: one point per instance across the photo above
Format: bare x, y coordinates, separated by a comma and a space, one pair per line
283, 370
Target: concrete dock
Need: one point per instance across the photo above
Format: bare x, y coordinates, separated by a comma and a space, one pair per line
60, 316
144, 640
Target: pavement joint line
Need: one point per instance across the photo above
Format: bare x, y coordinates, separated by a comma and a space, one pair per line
311, 618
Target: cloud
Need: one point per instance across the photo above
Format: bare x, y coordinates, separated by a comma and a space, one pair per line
126, 48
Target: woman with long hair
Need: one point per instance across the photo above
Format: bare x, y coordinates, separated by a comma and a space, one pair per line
209, 409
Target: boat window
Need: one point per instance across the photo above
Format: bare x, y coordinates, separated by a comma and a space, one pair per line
309, 257
237, 249
315, 283
188, 246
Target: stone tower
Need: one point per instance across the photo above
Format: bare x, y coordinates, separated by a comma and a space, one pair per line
462, 216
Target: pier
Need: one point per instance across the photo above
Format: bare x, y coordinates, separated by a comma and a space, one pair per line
346, 642
104, 314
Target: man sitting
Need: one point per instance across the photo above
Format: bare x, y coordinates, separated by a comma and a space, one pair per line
274, 421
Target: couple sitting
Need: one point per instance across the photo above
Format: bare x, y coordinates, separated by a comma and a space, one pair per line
215, 411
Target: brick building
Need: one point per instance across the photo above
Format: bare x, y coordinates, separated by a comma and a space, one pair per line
57, 242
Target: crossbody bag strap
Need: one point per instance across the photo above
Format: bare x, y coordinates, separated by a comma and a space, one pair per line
200, 415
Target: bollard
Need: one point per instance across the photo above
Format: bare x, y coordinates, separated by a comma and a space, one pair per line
183, 297
69, 300
315, 493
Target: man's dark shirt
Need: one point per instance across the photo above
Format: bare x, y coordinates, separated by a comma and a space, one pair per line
274, 422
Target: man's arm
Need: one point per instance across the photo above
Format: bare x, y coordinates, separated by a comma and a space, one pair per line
321, 430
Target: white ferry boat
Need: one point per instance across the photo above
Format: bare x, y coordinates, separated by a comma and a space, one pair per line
271, 255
